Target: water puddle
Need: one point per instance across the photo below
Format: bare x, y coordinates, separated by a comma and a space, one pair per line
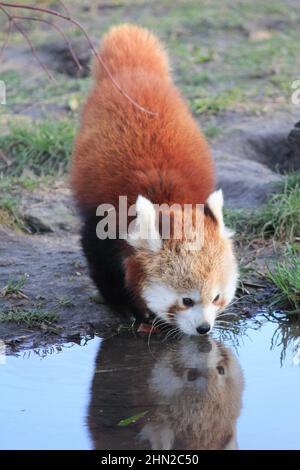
228, 391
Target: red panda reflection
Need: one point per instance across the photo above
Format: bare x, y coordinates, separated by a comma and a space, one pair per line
189, 392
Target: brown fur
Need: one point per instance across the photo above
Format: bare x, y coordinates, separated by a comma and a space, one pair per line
185, 271
201, 418
192, 393
121, 150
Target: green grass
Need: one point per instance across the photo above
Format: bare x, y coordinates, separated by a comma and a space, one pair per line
212, 132
218, 64
10, 198
14, 286
132, 419
278, 218
211, 38
9, 212
261, 56
44, 147
97, 298
216, 102
14, 183
65, 302
42, 91
285, 276
30, 318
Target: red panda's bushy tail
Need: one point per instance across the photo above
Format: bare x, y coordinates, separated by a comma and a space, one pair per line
127, 47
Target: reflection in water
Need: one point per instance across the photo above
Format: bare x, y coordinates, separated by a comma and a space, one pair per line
189, 391
286, 333
44, 395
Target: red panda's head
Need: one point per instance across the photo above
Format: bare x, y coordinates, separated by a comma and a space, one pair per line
185, 287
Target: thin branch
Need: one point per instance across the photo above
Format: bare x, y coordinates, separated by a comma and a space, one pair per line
55, 26
6, 160
11, 18
6, 41
76, 23
65, 7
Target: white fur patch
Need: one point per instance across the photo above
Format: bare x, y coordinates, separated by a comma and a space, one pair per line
231, 287
146, 233
159, 298
160, 437
189, 355
215, 202
164, 381
193, 317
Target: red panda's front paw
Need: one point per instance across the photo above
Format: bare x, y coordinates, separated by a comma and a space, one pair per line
148, 328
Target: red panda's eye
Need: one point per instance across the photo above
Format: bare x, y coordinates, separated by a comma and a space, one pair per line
187, 302
216, 298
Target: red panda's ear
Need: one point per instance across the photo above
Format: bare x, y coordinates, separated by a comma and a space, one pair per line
215, 202
145, 233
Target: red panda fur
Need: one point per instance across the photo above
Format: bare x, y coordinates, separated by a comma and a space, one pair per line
121, 150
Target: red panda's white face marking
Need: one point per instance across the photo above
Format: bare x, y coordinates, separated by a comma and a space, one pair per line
186, 288
168, 304
198, 318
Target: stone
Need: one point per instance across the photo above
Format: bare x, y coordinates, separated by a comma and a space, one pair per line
50, 217
245, 183
251, 161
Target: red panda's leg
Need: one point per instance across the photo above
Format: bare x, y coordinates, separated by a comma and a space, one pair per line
105, 260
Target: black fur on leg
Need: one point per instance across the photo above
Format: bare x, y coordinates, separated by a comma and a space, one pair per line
105, 260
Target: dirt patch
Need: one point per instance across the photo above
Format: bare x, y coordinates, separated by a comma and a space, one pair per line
57, 57
276, 149
57, 281
101, 6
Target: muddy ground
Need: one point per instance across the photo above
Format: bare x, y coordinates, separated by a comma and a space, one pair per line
241, 100
57, 282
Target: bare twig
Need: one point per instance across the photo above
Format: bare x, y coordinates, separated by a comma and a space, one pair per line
12, 20
70, 19
6, 41
55, 26
6, 160
65, 7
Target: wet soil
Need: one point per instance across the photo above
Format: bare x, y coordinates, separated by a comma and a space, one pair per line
56, 271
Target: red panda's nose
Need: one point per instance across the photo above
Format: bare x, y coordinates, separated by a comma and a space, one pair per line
203, 328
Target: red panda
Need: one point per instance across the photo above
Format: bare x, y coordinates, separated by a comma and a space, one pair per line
192, 393
153, 158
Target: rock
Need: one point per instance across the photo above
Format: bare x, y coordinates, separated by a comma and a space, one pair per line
50, 217
293, 141
251, 161
245, 183
57, 56
278, 150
